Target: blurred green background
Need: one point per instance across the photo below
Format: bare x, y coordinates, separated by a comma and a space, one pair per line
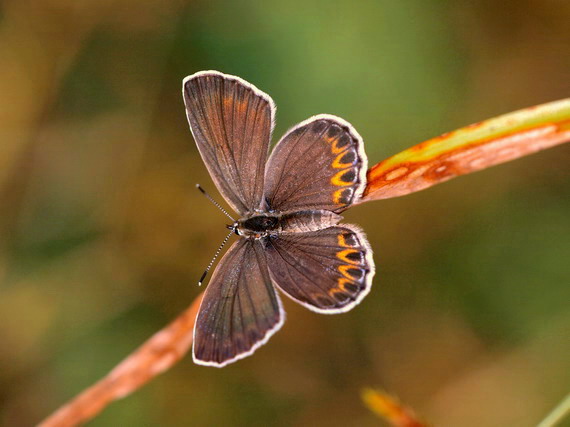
103, 236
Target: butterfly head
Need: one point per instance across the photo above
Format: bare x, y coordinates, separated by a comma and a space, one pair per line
233, 227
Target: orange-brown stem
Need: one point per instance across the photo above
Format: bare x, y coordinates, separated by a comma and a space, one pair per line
469, 149
155, 356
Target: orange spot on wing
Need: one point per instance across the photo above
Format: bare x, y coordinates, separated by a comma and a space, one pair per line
336, 196
337, 162
343, 256
330, 139
343, 270
342, 282
343, 196
337, 181
336, 149
342, 241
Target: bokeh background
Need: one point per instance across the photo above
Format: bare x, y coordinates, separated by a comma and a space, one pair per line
103, 235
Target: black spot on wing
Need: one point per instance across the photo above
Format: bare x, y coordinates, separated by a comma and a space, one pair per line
348, 158
343, 141
349, 176
350, 239
319, 126
356, 273
333, 132
356, 256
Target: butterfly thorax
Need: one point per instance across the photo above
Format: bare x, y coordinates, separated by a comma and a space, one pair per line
259, 225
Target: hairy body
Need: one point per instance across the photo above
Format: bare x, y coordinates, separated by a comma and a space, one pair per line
261, 225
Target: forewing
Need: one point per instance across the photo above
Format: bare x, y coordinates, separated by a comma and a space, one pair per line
328, 271
231, 121
318, 164
240, 309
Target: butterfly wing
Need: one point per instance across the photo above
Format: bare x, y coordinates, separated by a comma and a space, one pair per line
318, 164
231, 121
328, 271
240, 309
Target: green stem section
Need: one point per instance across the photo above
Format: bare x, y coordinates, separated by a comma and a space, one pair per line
557, 414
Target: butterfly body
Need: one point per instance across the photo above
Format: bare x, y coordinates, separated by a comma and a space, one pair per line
289, 202
263, 225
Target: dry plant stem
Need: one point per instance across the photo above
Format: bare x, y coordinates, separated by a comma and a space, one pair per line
390, 409
470, 149
155, 356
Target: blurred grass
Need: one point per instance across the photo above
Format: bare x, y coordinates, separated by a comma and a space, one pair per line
103, 234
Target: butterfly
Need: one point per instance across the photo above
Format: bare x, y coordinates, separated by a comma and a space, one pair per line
290, 236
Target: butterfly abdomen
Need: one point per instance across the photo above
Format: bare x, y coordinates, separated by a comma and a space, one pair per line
304, 221
263, 225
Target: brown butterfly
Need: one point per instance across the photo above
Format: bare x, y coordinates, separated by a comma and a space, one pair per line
289, 203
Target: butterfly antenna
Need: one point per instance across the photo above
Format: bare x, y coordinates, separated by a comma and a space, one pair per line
214, 259
210, 198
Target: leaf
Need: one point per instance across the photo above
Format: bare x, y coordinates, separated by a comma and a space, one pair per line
469, 149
